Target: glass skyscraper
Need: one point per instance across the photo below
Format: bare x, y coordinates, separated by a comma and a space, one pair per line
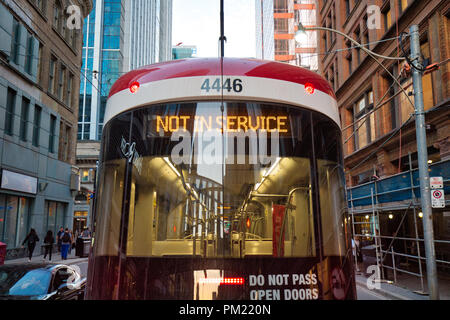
119, 35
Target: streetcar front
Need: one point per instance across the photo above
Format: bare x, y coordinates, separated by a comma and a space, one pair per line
221, 179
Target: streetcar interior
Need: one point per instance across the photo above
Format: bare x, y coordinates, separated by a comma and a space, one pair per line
224, 210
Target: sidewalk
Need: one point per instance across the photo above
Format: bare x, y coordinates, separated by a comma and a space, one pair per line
56, 258
406, 288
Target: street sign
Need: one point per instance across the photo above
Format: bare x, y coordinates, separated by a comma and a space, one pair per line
437, 198
436, 182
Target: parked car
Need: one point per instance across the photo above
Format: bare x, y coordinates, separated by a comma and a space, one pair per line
40, 281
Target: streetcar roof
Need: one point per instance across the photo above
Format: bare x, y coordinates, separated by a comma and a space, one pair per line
184, 80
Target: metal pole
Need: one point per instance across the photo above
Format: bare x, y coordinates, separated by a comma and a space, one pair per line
354, 232
422, 154
413, 195
393, 264
377, 239
222, 28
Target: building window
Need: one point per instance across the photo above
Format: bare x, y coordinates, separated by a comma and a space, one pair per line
357, 35
14, 216
41, 5
387, 18
55, 212
281, 26
364, 125
87, 132
15, 43
36, 125
24, 118
348, 57
51, 75
39, 66
10, 109
281, 47
29, 53
402, 5
51, 139
64, 141
61, 82
281, 6
427, 79
347, 8
325, 39
57, 10
87, 175
68, 98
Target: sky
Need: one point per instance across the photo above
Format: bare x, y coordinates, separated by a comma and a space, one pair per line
197, 23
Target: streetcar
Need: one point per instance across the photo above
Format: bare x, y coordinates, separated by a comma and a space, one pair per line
221, 179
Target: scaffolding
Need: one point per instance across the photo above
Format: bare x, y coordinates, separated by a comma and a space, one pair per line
399, 193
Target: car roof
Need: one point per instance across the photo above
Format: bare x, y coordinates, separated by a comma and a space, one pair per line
32, 266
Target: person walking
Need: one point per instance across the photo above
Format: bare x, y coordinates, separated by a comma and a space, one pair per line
49, 240
86, 233
58, 237
72, 242
65, 244
31, 240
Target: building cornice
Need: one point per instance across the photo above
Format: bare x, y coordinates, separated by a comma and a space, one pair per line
88, 6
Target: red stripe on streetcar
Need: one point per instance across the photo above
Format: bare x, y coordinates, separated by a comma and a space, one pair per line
211, 67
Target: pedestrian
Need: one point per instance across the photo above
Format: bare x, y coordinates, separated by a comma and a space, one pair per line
49, 240
86, 233
65, 244
58, 237
72, 242
31, 240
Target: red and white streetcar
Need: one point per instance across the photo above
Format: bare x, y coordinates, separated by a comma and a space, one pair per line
221, 179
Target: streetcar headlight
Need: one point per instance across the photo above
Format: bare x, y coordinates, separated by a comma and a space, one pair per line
134, 87
309, 88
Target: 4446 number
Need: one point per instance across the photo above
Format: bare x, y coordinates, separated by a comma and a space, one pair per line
228, 84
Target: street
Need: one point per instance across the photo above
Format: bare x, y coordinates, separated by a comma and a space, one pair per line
366, 294
83, 268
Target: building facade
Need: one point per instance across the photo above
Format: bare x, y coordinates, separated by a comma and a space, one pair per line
40, 61
378, 128
119, 36
276, 24
183, 51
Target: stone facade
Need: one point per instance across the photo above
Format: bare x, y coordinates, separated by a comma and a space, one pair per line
40, 58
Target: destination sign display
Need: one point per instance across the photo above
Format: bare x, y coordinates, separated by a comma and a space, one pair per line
231, 123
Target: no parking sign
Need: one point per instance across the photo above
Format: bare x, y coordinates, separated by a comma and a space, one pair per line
437, 198
437, 192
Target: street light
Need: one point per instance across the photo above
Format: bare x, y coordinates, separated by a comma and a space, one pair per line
420, 136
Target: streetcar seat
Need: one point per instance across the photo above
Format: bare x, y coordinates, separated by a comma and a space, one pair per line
175, 247
258, 247
264, 247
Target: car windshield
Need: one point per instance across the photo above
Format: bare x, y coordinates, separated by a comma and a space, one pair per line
24, 282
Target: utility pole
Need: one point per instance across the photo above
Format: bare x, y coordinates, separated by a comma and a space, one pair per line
222, 28
422, 154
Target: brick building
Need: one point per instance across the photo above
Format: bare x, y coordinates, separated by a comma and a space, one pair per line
40, 62
360, 83
380, 147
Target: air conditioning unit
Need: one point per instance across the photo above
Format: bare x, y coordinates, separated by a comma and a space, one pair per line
75, 182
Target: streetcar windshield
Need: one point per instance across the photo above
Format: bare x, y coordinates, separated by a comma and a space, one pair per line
212, 180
